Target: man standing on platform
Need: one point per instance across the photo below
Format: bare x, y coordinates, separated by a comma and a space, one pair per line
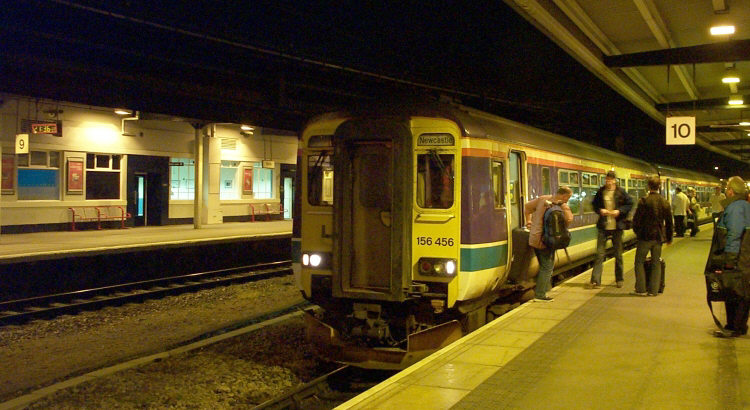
612, 204
735, 219
652, 225
679, 210
534, 211
716, 207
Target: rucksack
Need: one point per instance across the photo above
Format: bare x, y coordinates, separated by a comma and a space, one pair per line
555, 234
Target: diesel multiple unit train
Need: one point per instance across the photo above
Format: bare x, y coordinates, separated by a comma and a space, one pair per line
411, 222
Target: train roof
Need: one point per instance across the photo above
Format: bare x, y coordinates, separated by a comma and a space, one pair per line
475, 123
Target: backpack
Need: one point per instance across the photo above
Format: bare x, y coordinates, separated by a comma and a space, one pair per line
555, 234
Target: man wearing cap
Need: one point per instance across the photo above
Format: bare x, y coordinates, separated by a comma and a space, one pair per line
693, 208
735, 219
612, 204
716, 207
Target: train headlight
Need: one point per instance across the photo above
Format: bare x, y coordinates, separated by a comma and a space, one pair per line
315, 260
318, 260
436, 266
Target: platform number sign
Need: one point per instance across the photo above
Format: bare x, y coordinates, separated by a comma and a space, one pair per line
680, 130
22, 143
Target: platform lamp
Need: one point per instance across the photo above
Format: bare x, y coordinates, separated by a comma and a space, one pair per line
736, 100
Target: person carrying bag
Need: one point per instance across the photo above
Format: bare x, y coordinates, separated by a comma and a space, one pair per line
728, 266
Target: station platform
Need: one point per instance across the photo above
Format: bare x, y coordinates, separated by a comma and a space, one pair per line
55, 245
589, 349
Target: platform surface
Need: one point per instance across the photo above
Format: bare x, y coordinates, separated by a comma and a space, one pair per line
589, 349
41, 245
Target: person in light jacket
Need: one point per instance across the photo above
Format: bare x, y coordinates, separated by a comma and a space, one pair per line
534, 211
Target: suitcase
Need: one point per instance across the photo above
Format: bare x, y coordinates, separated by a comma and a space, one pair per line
647, 266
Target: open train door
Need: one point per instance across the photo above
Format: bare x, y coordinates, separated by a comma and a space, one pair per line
519, 236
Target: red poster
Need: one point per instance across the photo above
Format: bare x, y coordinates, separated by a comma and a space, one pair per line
75, 175
247, 181
8, 172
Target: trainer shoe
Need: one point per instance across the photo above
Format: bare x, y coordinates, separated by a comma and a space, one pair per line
634, 293
593, 286
619, 283
724, 334
652, 294
543, 299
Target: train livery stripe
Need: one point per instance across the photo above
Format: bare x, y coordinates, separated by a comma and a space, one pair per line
474, 259
493, 256
560, 164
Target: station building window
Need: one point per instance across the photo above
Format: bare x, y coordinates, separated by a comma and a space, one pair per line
228, 180
39, 175
182, 178
103, 176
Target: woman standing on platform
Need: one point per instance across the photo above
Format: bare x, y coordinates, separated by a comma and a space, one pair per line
735, 219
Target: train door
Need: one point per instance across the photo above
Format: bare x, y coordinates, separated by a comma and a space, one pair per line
516, 188
365, 245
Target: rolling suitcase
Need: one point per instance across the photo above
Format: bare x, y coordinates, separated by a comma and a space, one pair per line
648, 265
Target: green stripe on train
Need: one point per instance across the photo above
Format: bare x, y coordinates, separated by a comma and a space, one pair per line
475, 259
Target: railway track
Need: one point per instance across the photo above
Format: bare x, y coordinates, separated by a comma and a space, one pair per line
327, 391
47, 306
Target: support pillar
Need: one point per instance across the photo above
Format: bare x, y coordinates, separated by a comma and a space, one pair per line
198, 153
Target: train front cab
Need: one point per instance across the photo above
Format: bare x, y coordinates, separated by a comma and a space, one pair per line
381, 239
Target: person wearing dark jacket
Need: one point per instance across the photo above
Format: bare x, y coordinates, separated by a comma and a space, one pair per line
652, 224
612, 204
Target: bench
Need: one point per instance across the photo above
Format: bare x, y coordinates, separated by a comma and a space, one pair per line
268, 208
98, 214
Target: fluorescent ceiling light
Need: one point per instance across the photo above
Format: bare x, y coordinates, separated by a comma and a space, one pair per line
744, 123
736, 100
722, 30
122, 111
244, 127
730, 76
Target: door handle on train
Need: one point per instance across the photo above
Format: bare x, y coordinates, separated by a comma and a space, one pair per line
323, 233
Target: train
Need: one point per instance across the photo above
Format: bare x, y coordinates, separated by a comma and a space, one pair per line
410, 224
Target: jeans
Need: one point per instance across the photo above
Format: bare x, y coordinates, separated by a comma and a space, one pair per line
715, 217
654, 281
546, 258
601, 244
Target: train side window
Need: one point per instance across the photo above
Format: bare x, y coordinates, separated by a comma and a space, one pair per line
498, 185
320, 179
435, 180
574, 178
563, 177
546, 183
586, 179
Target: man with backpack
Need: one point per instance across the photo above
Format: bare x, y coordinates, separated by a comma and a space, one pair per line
652, 225
547, 218
613, 205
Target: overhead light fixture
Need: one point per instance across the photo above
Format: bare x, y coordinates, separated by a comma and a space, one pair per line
736, 100
731, 76
123, 111
716, 168
244, 127
744, 123
722, 30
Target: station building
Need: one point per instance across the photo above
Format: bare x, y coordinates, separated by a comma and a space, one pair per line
60, 157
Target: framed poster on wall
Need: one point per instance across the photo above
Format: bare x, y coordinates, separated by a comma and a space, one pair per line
9, 174
247, 181
75, 176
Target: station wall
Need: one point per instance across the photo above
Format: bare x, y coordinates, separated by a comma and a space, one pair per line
86, 164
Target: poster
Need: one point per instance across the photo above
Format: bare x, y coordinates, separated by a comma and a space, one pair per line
75, 175
8, 174
247, 181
